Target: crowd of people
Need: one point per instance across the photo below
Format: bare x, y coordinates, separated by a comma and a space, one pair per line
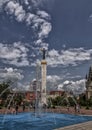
76, 109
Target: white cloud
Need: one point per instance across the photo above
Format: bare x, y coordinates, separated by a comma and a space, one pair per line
53, 53
15, 76
43, 14
38, 21
15, 54
52, 82
53, 78
29, 18
45, 29
26, 2
22, 87
2, 2
16, 9
8, 52
42, 44
22, 62
10, 73
90, 18
76, 87
11, 6
72, 56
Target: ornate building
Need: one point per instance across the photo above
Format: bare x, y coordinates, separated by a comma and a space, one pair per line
89, 84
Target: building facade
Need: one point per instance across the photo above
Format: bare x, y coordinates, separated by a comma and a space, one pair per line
54, 94
89, 84
30, 96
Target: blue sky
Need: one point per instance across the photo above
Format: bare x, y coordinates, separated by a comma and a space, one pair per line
63, 27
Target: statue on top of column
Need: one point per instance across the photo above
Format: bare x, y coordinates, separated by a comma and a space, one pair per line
44, 53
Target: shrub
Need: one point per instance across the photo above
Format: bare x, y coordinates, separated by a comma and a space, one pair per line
53, 106
87, 107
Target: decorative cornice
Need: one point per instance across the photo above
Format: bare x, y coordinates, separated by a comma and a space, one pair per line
43, 62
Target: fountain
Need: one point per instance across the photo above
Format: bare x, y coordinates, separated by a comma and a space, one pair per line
41, 119
46, 121
40, 101
27, 121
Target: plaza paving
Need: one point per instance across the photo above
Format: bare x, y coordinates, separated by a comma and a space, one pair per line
81, 126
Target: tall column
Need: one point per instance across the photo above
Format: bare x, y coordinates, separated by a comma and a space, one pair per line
43, 89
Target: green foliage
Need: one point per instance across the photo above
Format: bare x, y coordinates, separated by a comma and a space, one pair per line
18, 98
85, 102
27, 103
0, 107
72, 101
53, 106
57, 101
90, 101
4, 90
82, 101
87, 107
49, 102
6, 95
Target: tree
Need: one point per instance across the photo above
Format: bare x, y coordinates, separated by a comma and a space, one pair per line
18, 98
72, 101
4, 93
4, 90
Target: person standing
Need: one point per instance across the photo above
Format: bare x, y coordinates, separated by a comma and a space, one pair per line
23, 107
16, 108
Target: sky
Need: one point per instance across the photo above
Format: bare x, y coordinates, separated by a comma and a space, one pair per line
62, 27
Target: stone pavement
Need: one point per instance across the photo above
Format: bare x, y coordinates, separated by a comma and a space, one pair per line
81, 126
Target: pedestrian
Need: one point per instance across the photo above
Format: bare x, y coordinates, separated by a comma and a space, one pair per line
78, 109
68, 107
23, 107
16, 108
75, 108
